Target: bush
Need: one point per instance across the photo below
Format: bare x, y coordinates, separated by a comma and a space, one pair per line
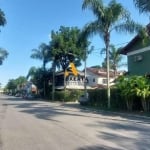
67, 96
98, 98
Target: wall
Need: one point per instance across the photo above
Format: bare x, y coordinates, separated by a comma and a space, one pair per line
140, 67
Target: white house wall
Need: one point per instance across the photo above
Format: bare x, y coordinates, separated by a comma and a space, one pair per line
98, 79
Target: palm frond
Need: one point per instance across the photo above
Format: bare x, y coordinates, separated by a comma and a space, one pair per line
95, 5
143, 5
3, 55
2, 18
129, 27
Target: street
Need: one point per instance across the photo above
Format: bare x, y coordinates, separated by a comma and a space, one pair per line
37, 125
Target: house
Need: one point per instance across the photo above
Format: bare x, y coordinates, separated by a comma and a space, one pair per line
29, 88
94, 78
72, 81
138, 55
97, 77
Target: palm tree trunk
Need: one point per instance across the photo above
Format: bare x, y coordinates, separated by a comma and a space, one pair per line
53, 85
106, 39
44, 92
64, 86
85, 83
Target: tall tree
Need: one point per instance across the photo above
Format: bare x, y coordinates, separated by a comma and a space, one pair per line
3, 55
142, 5
11, 86
108, 18
66, 46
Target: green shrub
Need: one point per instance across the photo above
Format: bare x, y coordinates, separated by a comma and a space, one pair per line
98, 98
67, 96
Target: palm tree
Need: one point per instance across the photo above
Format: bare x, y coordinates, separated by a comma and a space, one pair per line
31, 73
142, 5
108, 18
115, 59
42, 53
2, 18
3, 55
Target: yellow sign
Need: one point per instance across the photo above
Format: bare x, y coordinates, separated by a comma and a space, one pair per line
66, 73
71, 69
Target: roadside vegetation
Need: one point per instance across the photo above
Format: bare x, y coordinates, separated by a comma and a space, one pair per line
71, 44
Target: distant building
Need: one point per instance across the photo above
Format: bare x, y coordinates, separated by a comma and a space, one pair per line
72, 81
95, 78
29, 88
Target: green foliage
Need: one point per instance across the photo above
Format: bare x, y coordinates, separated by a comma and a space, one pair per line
142, 88
42, 53
3, 55
14, 83
66, 46
117, 101
142, 5
98, 98
11, 84
3, 52
134, 86
115, 58
40, 77
20, 80
70, 95
2, 18
113, 17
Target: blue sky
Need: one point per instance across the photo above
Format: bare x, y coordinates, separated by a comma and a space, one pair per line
29, 23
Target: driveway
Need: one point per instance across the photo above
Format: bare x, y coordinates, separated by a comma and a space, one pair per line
37, 125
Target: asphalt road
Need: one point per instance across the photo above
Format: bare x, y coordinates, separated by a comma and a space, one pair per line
37, 125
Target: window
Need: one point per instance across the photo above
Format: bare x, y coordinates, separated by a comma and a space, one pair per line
138, 58
93, 79
104, 81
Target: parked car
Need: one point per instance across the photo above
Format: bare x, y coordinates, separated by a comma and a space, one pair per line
84, 99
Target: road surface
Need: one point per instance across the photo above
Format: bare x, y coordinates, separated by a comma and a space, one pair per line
37, 125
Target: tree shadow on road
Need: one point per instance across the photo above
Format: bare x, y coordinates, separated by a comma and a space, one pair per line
97, 148
136, 135
45, 110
